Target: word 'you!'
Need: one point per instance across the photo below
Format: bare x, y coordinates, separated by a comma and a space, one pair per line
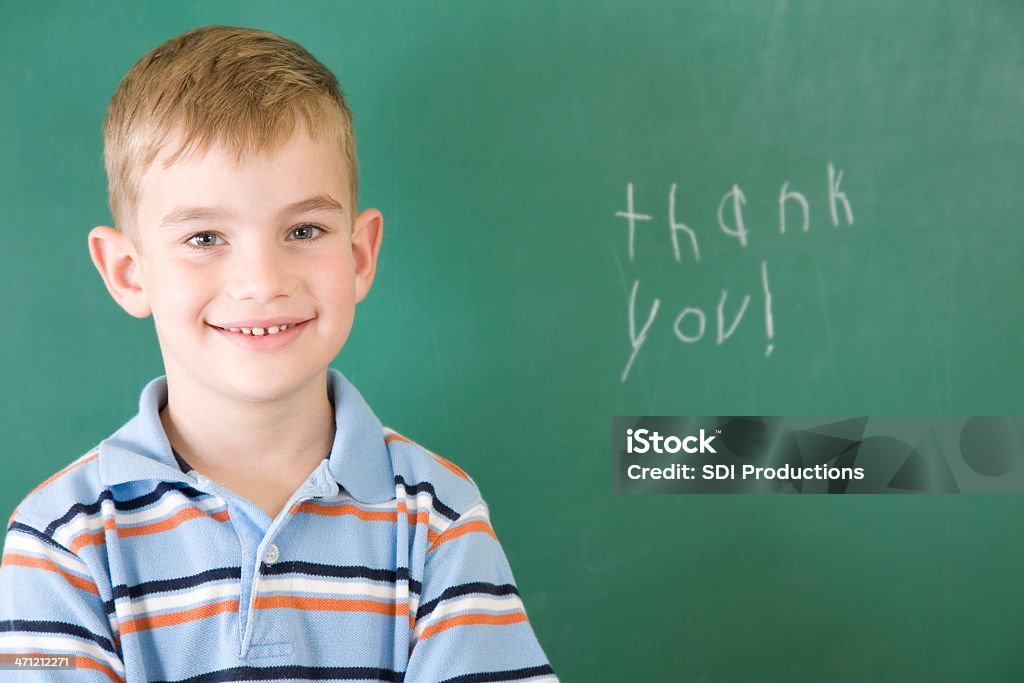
731, 224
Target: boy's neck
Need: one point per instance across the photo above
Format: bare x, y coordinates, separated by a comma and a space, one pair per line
250, 446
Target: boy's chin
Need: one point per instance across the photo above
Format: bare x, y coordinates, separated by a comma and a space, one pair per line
244, 380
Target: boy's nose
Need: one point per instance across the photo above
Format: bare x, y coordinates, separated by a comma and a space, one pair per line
262, 274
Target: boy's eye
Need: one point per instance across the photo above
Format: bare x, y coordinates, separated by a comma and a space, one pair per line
201, 240
307, 229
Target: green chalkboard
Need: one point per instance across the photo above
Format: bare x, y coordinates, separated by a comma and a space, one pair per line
507, 145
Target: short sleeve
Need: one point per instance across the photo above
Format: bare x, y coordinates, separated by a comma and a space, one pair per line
471, 624
51, 606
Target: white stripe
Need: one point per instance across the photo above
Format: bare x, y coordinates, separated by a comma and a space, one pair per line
66, 534
201, 594
509, 603
165, 510
30, 544
413, 505
326, 587
59, 644
167, 507
423, 501
478, 511
343, 497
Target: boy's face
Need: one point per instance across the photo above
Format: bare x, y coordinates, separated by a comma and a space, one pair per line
219, 245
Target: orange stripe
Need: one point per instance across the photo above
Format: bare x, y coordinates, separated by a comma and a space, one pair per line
55, 477
312, 508
177, 519
83, 540
331, 604
446, 463
451, 466
471, 619
421, 517
20, 560
462, 529
345, 509
84, 662
175, 618
388, 438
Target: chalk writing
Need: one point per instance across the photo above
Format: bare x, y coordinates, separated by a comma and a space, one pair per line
690, 324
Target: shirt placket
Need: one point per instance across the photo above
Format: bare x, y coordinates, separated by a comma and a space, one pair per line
258, 546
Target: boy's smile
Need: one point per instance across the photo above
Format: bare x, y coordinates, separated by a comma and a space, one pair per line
263, 339
251, 269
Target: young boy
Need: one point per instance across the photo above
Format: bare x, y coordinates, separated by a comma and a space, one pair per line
254, 521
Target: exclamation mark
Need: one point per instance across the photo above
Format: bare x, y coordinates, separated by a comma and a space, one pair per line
769, 327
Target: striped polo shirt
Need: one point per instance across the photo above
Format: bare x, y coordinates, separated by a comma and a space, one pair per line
383, 566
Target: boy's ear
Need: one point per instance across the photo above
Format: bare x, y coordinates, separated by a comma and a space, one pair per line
367, 233
116, 259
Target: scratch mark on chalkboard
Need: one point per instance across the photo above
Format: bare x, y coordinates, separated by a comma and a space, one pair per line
829, 338
748, 372
929, 341
440, 376
954, 259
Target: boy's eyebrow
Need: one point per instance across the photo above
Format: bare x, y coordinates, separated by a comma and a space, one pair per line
186, 214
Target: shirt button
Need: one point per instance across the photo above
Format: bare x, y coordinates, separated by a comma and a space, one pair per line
270, 557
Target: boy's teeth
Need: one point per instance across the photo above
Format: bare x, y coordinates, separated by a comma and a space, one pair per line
258, 331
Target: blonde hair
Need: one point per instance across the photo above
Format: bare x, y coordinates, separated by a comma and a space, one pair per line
238, 87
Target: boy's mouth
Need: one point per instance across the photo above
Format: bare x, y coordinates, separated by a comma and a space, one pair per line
262, 339
267, 330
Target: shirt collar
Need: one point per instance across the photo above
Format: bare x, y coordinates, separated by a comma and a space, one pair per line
359, 459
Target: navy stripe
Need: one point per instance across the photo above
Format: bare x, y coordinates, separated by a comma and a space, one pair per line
466, 589
513, 675
434, 502
339, 571
33, 626
165, 585
182, 463
124, 505
306, 673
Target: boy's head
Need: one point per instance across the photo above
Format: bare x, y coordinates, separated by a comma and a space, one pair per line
232, 174
244, 89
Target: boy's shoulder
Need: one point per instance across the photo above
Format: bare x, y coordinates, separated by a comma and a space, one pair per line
72, 489
418, 470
